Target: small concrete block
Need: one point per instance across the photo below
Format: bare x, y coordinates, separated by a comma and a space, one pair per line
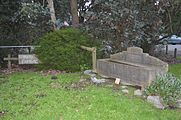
117, 81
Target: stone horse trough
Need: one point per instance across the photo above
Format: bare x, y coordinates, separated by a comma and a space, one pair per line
133, 67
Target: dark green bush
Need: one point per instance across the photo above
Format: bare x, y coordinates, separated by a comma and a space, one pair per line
168, 87
61, 50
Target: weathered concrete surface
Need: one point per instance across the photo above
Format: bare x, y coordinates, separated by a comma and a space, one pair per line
132, 67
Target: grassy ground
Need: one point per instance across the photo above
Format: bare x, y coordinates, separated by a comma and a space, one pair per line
176, 70
179, 58
32, 96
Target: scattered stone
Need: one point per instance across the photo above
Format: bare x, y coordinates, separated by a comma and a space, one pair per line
90, 73
156, 101
124, 87
125, 91
87, 72
97, 81
138, 92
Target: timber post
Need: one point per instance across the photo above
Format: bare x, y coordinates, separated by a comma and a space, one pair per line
9, 59
9, 62
166, 49
175, 53
94, 59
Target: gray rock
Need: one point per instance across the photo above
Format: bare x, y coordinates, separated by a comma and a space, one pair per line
156, 101
90, 73
138, 92
124, 87
125, 91
97, 81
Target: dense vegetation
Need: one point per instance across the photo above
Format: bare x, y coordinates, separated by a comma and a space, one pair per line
61, 50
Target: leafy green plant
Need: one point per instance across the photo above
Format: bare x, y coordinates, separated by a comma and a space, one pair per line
168, 87
84, 67
61, 50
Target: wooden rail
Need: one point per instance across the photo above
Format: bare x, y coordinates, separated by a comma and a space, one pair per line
93, 50
28, 46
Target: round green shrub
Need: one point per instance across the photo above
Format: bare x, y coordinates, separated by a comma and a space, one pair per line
61, 50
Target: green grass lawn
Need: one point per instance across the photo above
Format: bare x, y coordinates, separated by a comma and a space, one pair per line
32, 96
176, 70
179, 58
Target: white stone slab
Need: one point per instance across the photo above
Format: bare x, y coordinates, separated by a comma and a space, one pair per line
28, 59
117, 81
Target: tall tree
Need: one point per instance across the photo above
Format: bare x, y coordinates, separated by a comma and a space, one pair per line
52, 13
172, 16
74, 12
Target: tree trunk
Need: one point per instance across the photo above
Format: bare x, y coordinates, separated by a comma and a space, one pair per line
74, 12
52, 13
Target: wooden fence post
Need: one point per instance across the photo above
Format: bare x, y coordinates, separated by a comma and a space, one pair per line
9, 62
9, 59
166, 49
175, 53
94, 59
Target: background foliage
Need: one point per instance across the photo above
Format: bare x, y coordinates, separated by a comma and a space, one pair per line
117, 24
125, 23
